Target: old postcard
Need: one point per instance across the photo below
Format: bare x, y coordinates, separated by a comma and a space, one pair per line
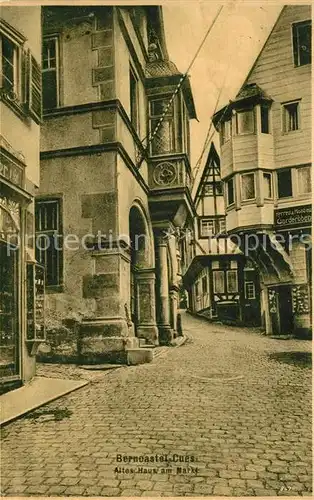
155, 249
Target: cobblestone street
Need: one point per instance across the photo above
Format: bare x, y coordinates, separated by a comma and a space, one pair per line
237, 402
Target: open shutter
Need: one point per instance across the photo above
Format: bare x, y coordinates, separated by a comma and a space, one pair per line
34, 96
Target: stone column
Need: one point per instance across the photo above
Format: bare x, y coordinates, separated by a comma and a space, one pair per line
165, 333
146, 306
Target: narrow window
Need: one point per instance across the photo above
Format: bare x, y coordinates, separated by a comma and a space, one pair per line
232, 281
230, 192
49, 249
267, 185
133, 99
284, 183
50, 73
245, 122
248, 186
219, 281
291, 117
164, 141
222, 225
264, 119
304, 180
249, 290
302, 43
197, 289
204, 285
226, 131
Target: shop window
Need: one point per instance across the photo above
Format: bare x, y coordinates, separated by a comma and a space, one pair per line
226, 131
219, 281
291, 117
264, 119
302, 43
267, 185
245, 122
249, 290
50, 73
164, 139
304, 180
230, 191
133, 99
284, 183
49, 248
204, 285
232, 281
248, 186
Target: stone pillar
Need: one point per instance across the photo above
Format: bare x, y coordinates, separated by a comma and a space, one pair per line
165, 333
146, 306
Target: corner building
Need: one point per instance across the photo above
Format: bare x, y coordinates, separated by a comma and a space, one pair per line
265, 135
107, 81
21, 280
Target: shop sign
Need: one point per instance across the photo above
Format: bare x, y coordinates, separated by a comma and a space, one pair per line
293, 217
11, 171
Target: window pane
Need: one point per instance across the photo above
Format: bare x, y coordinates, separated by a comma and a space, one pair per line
222, 225
302, 43
232, 281
226, 131
204, 284
8, 50
207, 227
267, 185
284, 183
50, 99
304, 180
248, 188
159, 106
245, 122
230, 192
219, 281
249, 290
163, 140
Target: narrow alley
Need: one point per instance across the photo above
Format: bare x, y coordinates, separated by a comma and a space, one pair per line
230, 408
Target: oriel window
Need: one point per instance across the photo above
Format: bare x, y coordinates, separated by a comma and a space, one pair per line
50, 73
302, 43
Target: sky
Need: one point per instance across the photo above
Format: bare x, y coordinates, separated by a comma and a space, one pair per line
227, 56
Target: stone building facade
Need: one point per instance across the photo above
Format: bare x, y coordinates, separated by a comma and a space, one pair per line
112, 196
21, 285
265, 135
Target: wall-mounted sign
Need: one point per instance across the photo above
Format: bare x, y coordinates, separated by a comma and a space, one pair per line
35, 302
293, 217
10, 171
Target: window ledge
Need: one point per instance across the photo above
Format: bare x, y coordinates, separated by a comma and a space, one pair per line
16, 107
292, 132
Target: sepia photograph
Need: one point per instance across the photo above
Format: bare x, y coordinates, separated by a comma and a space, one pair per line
155, 249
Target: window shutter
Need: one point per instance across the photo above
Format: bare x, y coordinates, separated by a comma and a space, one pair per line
34, 91
24, 76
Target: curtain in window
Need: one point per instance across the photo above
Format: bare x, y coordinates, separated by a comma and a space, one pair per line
304, 180
219, 281
248, 189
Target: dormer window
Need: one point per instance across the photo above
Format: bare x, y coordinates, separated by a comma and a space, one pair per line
245, 122
302, 43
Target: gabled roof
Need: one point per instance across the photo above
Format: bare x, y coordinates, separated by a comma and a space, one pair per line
211, 157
